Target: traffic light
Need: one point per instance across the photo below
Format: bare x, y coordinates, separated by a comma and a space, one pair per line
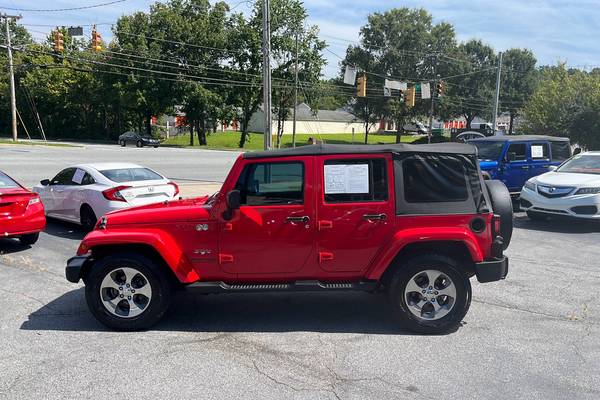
409, 96
96, 40
59, 42
441, 88
361, 88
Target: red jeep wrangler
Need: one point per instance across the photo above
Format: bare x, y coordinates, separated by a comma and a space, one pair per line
415, 221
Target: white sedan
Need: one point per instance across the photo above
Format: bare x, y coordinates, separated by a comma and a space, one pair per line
83, 193
572, 190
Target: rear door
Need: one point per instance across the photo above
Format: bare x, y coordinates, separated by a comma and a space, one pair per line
355, 210
515, 168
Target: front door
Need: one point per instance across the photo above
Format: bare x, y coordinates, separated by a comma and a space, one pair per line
515, 167
355, 210
273, 231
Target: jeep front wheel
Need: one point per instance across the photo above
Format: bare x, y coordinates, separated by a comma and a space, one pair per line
127, 292
430, 294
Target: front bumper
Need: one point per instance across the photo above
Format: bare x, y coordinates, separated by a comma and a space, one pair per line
491, 271
567, 206
75, 267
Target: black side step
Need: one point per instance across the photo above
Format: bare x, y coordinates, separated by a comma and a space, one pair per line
297, 286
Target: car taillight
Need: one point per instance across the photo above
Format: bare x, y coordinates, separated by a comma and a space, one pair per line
176, 187
114, 194
34, 200
496, 224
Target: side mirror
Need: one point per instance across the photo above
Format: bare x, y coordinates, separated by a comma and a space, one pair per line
45, 182
233, 201
552, 168
577, 151
510, 157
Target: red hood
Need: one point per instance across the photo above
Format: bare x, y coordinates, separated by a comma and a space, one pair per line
168, 211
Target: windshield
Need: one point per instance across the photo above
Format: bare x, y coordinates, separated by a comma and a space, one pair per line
488, 150
130, 174
6, 182
582, 164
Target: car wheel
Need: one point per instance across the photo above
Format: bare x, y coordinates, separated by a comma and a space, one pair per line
139, 143
30, 239
127, 292
122, 143
503, 206
430, 294
87, 217
156, 147
535, 216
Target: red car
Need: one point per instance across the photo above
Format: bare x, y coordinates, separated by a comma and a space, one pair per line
413, 221
21, 211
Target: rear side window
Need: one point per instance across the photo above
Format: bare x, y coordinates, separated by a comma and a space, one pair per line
358, 180
6, 182
560, 151
265, 184
434, 179
540, 151
131, 174
518, 151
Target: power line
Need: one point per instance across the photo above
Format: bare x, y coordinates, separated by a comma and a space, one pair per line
62, 9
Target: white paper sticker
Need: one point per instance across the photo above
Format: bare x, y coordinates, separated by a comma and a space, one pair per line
346, 178
78, 176
537, 151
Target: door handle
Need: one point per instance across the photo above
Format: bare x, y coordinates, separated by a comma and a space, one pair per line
375, 217
304, 219
525, 167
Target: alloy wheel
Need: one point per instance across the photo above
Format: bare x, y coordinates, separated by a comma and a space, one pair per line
125, 292
430, 295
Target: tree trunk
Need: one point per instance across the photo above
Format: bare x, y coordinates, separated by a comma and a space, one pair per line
510, 125
399, 131
470, 119
149, 123
244, 131
366, 119
201, 128
191, 122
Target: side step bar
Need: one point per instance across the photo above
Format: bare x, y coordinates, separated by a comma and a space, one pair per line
297, 286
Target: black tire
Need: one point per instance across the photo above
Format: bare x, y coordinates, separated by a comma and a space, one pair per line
139, 143
447, 266
502, 206
87, 217
156, 147
532, 215
28, 240
122, 143
157, 279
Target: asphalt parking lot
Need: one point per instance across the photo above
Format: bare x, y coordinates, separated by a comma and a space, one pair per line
535, 335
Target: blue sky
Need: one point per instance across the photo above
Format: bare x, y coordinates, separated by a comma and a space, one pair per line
555, 30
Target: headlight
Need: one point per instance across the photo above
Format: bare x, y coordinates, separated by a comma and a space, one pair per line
591, 190
530, 185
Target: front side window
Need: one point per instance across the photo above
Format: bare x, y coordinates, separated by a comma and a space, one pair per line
64, 177
434, 179
358, 180
265, 184
517, 152
540, 151
560, 151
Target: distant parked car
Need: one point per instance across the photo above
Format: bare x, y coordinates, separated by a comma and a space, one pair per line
83, 193
513, 159
416, 128
572, 190
21, 211
140, 140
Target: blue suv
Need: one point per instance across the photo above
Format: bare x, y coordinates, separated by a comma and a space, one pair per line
516, 158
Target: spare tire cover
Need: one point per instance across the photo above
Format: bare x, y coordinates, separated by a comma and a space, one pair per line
502, 206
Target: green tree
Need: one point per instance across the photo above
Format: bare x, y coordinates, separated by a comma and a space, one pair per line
518, 81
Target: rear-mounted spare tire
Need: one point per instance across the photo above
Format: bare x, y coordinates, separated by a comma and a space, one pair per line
502, 206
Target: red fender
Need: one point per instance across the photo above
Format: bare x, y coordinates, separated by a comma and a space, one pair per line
159, 240
405, 237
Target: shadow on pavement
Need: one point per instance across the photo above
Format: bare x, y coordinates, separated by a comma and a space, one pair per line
10, 245
556, 225
64, 230
266, 312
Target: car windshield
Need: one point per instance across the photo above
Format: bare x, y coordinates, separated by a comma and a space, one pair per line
488, 150
582, 164
6, 182
130, 174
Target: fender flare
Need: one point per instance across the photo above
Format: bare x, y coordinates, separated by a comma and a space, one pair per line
162, 242
406, 237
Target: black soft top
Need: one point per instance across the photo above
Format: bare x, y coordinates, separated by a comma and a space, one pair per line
321, 149
520, 138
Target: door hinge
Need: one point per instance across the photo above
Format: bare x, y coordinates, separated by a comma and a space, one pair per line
325, 256
225, 258
325, 224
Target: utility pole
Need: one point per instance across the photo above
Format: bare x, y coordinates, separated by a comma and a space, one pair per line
430, 131
266, 49
13, 101
295, 94
497, 98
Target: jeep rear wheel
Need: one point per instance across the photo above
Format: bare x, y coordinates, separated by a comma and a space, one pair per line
430, 294
127, 292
